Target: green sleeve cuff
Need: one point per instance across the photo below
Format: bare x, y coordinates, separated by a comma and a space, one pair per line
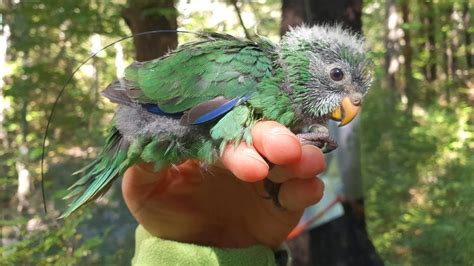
151, 250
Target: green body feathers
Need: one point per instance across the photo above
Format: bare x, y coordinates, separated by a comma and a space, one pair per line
200, 71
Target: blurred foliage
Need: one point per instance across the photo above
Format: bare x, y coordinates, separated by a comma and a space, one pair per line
418, 153
48, 40
418, 178
59, 245
417, 156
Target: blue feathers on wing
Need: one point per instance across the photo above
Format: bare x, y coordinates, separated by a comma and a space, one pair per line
204, 118
154, 109
221, 110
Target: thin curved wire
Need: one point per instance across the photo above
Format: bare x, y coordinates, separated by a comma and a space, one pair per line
43, 153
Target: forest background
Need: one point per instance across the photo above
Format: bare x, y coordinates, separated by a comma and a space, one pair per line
417, 128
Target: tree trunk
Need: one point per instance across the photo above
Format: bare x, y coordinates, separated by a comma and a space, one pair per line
408, 56
454, 44
392, 64
343, 241
148, 15
293, 13
4, 35
446, 43
467, 35
430, 45
322, 11
24, 177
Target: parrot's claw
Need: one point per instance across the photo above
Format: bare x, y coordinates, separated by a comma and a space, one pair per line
318, 135
273, 190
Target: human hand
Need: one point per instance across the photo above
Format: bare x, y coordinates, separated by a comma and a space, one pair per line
214, 208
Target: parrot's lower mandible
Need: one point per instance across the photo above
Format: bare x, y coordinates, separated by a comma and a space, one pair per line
195, 100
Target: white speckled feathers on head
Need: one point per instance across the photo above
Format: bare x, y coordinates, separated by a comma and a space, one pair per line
329, 34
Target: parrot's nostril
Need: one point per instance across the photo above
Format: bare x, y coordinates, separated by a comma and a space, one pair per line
356, 100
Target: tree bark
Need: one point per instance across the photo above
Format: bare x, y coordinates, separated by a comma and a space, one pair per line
148, 15
446, 43
430, 45
24, 177
4, 35
343, 241
392, 64
445, 46
466, 18
347, 12
293, 14
454, 45
408, 55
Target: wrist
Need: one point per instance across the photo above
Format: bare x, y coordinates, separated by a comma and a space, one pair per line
151, 249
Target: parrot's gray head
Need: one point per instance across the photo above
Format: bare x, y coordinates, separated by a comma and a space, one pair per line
330, 69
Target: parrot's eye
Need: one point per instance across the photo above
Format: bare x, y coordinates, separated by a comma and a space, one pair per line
336, 74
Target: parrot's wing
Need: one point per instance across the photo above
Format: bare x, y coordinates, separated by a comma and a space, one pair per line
195, 73
118, 93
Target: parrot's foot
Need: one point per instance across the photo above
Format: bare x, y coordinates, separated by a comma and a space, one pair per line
318, 135
273, 190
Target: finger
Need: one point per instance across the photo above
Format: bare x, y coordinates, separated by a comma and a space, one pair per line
310, 164
298, 194
142, 174
142, 177
138, 181
245, 162
275, 142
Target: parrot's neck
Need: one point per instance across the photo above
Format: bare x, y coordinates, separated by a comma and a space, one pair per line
294, 65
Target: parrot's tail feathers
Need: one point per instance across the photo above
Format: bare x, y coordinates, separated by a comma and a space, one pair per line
98, 177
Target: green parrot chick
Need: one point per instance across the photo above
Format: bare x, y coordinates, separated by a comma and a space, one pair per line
192, 102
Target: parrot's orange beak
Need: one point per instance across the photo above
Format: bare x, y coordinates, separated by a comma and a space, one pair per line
346, 112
